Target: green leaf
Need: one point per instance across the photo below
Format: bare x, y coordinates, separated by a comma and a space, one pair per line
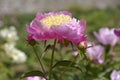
77, 67
48, 47
107, 49
33, 73
64, 63
67, 63
76, 77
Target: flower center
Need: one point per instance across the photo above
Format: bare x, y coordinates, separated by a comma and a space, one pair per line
56, 19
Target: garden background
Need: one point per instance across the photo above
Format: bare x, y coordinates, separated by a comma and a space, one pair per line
19, 13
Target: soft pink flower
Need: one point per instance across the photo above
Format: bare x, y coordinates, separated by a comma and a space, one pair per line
117, 32
35, 78
57, 25
115, 75
75, 53
95, 53
90, 44
106, 36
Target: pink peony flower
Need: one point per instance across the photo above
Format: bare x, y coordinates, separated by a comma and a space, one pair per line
95, 53
106, 36
57, 25
35, 78
117, 32
115, 75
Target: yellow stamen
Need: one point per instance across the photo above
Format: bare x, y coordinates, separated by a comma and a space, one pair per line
56, 19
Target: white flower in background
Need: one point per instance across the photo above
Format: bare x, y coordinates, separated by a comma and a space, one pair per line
8, 47
9, 34
16, 55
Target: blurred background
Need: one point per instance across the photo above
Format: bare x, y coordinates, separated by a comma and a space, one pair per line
30, 6
16, 14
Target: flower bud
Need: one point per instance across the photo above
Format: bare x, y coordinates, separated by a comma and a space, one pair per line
30, 40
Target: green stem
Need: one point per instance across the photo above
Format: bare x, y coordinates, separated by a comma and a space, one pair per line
107, 50
86, 58
38, 59
73, 61
83, 53
52, 57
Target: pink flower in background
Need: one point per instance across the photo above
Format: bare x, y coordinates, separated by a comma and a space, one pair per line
90, 44
115, 75
95, 53
117, 32
75, 53
57, 25
35, 78
106, 36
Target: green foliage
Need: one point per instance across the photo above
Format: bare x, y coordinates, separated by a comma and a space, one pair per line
64, 63
33, 73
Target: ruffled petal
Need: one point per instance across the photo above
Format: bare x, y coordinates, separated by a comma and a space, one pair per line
39, 31
70, 31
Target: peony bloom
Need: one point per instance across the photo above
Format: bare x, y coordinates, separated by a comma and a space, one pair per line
106, 36
35, 78
117, 32
95, 53
115, 75
57, 25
